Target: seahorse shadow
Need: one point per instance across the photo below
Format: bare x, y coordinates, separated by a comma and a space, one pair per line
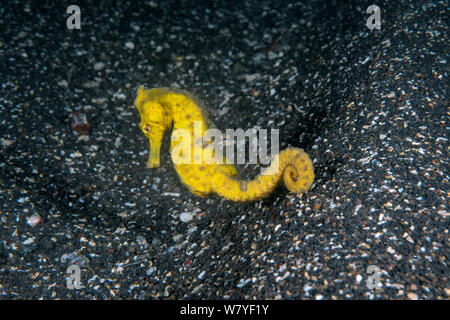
308, 126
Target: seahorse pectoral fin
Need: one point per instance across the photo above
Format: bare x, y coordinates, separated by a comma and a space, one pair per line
155, 148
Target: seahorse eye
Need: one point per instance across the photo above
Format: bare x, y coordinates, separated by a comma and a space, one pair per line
146, 129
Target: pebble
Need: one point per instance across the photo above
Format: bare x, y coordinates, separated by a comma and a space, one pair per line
99, 66
186, 216
34, 220
129, 45
412, 295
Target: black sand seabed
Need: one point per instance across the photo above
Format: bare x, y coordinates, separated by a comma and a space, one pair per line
369, 106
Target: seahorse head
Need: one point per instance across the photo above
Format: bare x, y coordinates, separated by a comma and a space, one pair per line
155, 120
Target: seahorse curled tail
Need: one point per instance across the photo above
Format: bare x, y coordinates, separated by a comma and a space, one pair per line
292, 166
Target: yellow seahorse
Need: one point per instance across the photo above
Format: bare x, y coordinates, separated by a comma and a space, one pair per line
159, 108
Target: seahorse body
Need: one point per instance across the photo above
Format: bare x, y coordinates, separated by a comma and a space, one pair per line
159, 108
